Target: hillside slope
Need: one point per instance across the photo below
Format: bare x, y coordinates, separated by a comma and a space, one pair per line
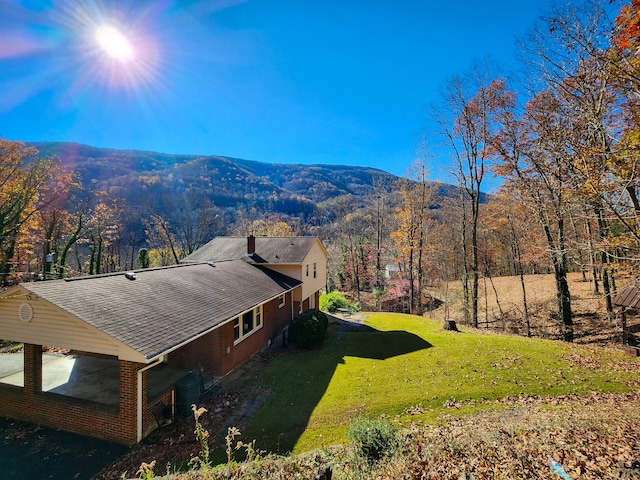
104, 166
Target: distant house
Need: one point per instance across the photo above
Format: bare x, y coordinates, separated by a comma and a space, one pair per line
392, 271
149, 328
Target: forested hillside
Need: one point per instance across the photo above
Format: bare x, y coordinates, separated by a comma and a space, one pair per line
97, 208
566, 153
224, 181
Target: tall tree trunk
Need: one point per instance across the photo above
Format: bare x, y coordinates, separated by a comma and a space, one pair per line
62, 260
631, 191
465, 263
563, 297
474, 267
411, 279
7, 254
518, 262
592, 256
602, 234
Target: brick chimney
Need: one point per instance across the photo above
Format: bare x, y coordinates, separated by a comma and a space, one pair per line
251, 244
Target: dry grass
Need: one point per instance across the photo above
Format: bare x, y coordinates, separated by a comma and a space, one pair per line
500, 306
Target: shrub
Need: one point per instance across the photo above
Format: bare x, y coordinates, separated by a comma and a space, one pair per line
373, 439
309, 329
330, 302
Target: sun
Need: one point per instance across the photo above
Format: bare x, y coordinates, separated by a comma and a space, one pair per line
114, 43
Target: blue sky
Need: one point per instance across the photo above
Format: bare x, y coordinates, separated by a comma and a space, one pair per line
281, 81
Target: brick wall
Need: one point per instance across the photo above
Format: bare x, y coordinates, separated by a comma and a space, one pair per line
210, 351
113, 423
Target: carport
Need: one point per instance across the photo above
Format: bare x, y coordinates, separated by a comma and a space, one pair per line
131, 337
87, 377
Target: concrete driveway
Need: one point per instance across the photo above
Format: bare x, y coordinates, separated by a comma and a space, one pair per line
79, 376
84, 376
12, 363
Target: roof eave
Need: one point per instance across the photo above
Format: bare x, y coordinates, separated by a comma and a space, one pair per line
158, 355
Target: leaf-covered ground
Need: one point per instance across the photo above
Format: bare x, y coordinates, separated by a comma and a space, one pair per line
586, 437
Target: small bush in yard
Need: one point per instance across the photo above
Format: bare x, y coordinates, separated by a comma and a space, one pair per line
374, 439
309, 329
330, 302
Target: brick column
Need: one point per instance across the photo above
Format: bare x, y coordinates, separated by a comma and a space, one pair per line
32, 368
129, 400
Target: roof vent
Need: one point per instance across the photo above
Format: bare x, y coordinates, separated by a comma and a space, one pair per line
25, 312
130, 276
211, 264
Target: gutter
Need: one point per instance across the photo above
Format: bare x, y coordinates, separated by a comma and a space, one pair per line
139, 416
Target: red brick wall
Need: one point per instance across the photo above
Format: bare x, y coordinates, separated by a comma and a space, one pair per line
210, 351
201, 351
149, 422
114, 423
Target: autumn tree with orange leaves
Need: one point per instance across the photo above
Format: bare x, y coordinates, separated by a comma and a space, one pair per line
23, 178
466, 121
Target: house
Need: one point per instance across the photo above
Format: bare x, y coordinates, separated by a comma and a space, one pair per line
302, 258
392, 271
146, 329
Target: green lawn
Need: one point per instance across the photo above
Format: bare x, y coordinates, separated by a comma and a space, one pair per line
407, 368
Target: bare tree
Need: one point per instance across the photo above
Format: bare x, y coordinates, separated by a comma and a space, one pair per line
466, 122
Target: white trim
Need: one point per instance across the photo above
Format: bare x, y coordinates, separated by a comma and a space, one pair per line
139, 385
253, 330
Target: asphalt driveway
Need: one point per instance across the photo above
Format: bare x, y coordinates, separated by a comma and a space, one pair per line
29, 451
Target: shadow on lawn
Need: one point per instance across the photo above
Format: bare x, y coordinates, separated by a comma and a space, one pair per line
297, 391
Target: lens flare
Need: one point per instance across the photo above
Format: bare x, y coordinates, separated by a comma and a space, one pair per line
114, 43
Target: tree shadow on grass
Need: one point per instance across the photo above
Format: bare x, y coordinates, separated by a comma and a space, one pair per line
298, 381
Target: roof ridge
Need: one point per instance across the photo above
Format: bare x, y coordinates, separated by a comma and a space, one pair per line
138, 270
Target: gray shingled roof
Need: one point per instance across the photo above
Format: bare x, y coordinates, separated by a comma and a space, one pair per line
268, 249
165, 307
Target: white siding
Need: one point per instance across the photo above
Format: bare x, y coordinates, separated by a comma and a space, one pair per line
54, 327
312, 285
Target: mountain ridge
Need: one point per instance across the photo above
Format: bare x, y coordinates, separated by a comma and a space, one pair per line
317, 182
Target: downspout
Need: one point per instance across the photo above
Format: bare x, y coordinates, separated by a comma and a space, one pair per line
139, 415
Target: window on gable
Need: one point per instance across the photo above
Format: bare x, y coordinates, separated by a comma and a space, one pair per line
258, 316
315, 270
307, 269
281, 301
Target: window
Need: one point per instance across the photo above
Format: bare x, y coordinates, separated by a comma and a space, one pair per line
307, 269
246, 324
315, 270
281, 301
236, 329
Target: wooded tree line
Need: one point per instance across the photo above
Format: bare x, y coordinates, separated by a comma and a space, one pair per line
565, 143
